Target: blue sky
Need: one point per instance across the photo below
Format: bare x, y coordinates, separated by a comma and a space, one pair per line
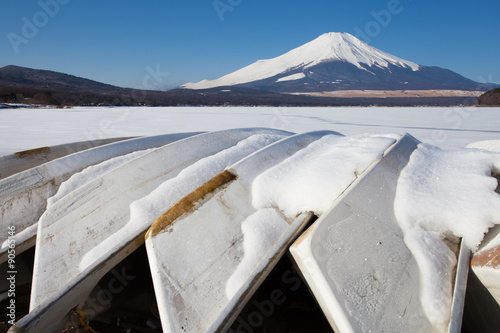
129, 42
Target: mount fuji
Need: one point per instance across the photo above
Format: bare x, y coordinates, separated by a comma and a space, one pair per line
339, 61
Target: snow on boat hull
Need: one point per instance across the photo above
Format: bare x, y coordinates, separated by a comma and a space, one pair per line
23, 196
24, 160
71, 257
202, 267
355, 260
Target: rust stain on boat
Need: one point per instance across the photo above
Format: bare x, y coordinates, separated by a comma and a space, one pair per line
31, 152
488, 258
187, 204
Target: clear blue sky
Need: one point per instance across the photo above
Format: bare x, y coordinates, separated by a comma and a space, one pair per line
117, 42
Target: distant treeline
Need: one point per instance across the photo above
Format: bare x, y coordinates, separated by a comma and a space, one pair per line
210, 97
40, 87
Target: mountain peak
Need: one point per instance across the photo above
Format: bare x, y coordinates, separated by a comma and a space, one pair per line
329, 47
336, 36
335, 46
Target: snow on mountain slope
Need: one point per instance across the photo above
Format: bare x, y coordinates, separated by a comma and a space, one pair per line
297, 76
328, 47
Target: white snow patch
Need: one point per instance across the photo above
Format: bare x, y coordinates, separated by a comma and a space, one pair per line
491, 145
145, 211
92, 172
298, 184
449, 191
443, 192
436, 262
292, 77
260, 231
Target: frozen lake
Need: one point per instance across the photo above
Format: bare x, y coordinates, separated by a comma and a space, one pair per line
22, 129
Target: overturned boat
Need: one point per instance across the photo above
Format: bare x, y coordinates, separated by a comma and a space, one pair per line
219, 211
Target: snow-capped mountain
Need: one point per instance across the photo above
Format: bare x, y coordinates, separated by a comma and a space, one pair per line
338, 61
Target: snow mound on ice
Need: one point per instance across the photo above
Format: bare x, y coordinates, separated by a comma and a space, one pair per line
443, 192
491, 145
314, 177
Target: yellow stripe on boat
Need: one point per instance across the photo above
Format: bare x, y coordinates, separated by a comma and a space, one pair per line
188, 203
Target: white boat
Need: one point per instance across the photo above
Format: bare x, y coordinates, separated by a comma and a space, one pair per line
27, 159
87, 232
210, 252
23, 196
357, 265
230, 208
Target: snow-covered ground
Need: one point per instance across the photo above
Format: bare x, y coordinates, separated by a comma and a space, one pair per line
22, 129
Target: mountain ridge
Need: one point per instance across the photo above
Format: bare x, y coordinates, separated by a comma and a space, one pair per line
21, 85
339, 61
17, 76
37, 86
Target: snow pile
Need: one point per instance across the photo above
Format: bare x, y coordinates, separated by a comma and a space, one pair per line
449, 191
145, 211
260, 232
491, 145
92, 172
443, 192
314, 177
327, 47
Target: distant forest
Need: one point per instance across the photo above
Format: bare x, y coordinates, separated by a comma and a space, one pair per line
20, 85
210, 97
